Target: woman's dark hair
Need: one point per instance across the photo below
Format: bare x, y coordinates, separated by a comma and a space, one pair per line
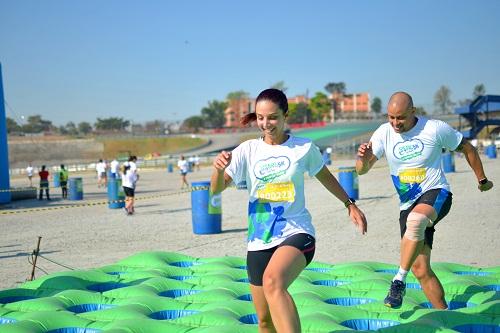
273, 95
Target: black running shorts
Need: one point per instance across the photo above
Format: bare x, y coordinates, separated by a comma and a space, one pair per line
257, 260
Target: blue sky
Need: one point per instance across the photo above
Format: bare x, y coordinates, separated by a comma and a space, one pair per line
146, 60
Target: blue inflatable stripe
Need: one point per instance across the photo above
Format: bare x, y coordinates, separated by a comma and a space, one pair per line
242, 267
4, 320
182, 264
330, 283
102, 287
389, 270
349, 301
368, 324
318, 269
178, 293
82, 308
414, 285
474, 273
171, 314
181, 277
245, 280
12, 299
249, 319
453, 305
74, 330
493, 287
246, 297
477, 328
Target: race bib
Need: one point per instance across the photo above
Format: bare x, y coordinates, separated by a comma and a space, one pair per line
412, 176
277, 192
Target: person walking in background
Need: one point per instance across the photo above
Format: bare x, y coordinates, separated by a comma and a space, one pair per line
29, 172
281, 237
100, 168
63, 179
197, 162
183, 166
129, 180
412, 145
114, 167
44, 183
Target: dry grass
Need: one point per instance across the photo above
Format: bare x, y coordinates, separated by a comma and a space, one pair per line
145, 146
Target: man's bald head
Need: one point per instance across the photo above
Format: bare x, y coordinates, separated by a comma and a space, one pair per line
401, 112
400, 100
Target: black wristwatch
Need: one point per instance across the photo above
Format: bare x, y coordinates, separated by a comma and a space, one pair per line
349, 202
483, 181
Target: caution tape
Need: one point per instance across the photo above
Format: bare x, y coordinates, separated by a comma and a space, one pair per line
107, 202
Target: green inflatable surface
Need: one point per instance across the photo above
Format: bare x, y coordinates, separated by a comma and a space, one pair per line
170, 292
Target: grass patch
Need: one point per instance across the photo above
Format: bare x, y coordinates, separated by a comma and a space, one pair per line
145, 146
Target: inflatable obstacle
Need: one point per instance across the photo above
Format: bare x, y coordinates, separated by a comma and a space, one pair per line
170, 292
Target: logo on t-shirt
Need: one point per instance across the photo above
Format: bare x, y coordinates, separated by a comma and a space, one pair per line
271, 168
409, 149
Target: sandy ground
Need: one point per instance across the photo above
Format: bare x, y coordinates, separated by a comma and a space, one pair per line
92, 236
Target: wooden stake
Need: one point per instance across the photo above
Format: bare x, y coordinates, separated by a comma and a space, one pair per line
35, 252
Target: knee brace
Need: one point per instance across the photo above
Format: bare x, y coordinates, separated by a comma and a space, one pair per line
416, 224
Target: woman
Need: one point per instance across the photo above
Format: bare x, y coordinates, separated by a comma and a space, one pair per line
281, 239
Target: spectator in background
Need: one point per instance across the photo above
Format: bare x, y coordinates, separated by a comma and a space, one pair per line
44, 183
183, 166
100, 168
29, 172
63, 179
129, 181
114, 168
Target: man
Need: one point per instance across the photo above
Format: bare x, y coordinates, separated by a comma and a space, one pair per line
63, 178
29, 172
413, 147
114, 168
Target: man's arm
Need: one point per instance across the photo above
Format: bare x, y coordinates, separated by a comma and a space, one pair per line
365, 158
472, 157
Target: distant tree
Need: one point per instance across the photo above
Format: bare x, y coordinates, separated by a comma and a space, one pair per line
71, 128
442, 100
280, 85
111, 124
464, 102
376, 105
12, 126
193, 123
62, 130
213, 114
336, 87
479, 90
420, 111
298, 113
235, 95
84, 128
155, 126
320, 107
36, 124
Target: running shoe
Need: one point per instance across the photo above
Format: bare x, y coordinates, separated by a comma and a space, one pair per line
394, 298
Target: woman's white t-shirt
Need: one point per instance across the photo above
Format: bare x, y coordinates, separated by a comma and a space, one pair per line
274, 176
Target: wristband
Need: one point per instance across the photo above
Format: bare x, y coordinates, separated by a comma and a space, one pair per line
349, 202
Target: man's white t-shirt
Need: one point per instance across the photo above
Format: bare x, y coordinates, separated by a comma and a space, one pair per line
414, 157
129, 179
274, 175
183, 166
114, 166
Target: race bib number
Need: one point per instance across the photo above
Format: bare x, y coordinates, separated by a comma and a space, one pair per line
412, 176
277, 192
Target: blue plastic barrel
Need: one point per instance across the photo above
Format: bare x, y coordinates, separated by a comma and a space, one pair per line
448, 162
348, 179
75, 188
56, 178
326, 158
206, 209
116, 196
491, 151
170, 167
